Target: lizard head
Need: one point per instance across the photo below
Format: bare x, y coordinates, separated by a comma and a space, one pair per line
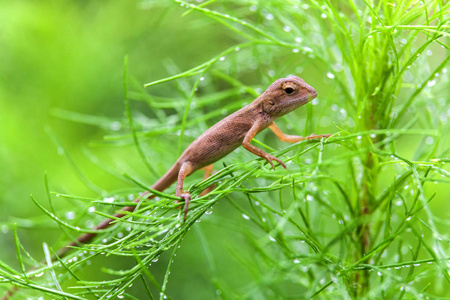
285, 95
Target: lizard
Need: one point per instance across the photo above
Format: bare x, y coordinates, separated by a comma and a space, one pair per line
283, 96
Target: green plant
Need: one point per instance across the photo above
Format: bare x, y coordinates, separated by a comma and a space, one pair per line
352, 217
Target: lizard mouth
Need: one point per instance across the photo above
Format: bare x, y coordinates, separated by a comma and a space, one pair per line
296, 103
304, 99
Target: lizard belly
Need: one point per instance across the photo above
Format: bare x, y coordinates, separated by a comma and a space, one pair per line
206, 152
215, 143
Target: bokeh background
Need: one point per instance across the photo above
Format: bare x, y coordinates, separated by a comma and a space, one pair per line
63, 61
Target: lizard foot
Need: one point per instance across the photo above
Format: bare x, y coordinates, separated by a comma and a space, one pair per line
269, 158
187, 199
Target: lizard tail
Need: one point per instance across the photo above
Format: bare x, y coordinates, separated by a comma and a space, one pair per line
163, 183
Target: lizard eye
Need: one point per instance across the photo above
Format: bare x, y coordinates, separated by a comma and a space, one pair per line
289, 90
271, 102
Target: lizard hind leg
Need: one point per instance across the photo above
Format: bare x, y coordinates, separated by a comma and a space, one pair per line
186, 169
208, 171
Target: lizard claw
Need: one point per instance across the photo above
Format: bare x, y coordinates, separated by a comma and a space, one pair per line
269, 158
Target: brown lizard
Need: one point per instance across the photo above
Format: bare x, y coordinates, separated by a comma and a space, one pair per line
239, 128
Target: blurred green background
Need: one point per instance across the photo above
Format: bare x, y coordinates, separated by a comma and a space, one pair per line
59, 56
69, 55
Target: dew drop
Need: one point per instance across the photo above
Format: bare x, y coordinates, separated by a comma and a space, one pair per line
70, 215
296, 261
5, 228
269, 17
91, 209
202, 78
222, 58
60, 150
287, 28
245, 217
431, 83
330, 75
272, 239
295, 50
298, 39
116, 125
271, 73
309, 198
323, 16
108, 200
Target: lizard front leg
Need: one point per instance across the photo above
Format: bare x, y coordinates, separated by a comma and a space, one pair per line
294, 138
247, 145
